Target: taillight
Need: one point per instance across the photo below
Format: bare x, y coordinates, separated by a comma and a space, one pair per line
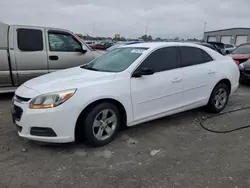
237, 62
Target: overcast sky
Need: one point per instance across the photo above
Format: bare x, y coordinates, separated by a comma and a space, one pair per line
166, 18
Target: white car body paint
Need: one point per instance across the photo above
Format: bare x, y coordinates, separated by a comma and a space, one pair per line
145, 98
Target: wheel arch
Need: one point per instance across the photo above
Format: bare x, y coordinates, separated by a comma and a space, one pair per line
227, 82
91, 105
224, 81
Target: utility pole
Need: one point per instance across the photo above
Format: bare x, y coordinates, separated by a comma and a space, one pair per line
146, 31
93, 29
205, 25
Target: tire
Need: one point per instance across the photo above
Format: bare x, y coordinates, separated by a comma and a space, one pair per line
214, 107
94, 122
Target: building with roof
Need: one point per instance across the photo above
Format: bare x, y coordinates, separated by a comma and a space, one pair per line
234, 36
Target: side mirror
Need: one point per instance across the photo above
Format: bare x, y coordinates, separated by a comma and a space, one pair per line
82, 49
143, 72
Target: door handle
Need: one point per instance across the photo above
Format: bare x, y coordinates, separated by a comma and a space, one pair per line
176, 80
53, 57
211, 72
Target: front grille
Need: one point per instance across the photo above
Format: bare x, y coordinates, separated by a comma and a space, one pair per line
18, 112
241, 60
22, 99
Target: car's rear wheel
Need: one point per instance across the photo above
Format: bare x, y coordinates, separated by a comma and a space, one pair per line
101, 124
219, 98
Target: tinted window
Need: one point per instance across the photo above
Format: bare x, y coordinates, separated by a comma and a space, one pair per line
193, 56
30, 40
162, 59
63, 42
206, 57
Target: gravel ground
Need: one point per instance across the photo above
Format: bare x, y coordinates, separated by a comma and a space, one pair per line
171, 152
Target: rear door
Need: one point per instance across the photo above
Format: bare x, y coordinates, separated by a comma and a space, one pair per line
199, 70
64, 50
30, 52
162, 91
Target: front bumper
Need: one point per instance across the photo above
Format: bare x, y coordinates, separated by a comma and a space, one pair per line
60, 120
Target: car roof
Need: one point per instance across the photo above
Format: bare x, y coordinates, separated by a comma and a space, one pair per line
154, 45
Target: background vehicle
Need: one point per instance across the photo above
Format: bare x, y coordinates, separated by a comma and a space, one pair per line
245, 71
212, 46
219, 45
241, 53
29, 51
126, 86
229, 48
101, 46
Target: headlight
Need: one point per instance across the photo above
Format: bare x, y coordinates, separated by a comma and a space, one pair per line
51, 100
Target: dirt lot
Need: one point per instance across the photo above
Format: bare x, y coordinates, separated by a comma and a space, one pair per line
188, 156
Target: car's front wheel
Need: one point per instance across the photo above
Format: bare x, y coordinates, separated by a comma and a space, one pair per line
101, 124
219, 98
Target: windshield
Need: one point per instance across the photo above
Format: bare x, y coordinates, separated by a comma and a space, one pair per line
245, 49
115, 60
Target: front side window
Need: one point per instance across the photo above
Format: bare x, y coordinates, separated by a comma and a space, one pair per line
244, 49
193, 56
30, 40
115, 60
62, 42
162, 59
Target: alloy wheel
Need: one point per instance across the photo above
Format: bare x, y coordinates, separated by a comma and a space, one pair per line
104, 124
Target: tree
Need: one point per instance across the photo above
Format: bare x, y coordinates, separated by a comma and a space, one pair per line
150, 38
158, 39
144, 37
121, 39
176, 38
147, 38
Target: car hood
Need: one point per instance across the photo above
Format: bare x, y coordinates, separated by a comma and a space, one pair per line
240, 56
67, 79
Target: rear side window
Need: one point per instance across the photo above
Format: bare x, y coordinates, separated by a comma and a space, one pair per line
163, 59
30, 40
206, 57
193, 56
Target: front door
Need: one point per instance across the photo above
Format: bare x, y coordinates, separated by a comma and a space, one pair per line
162, 91
65, 51
30, 53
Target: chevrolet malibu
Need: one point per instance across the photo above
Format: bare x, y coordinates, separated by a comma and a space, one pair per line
124, 87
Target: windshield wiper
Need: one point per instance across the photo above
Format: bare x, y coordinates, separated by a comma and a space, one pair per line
89, 68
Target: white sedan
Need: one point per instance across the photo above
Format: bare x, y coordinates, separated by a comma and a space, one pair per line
126, 86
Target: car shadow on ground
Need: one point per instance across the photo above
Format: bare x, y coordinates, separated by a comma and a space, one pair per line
145, 128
